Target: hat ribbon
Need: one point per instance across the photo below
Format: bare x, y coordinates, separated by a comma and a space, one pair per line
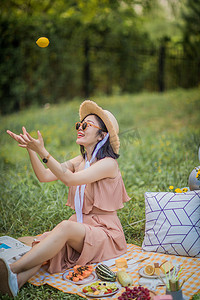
78, 201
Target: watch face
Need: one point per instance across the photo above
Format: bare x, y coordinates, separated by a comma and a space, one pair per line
45, 160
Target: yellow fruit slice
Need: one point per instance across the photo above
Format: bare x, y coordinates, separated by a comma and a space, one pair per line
149, 270
157, 271
166, 266
42, 42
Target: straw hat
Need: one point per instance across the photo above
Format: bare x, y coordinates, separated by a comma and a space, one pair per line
89, 107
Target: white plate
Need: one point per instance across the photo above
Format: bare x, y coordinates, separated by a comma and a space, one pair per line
141, 272
89, 279
100, 295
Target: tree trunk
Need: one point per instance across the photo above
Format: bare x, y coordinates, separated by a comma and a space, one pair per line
161, 67
86, 69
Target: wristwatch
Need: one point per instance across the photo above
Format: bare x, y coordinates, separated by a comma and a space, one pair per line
45, 159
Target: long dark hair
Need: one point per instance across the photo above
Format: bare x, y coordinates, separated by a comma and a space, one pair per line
106, 150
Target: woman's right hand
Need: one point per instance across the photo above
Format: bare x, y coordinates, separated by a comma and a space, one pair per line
43, 174
17, 137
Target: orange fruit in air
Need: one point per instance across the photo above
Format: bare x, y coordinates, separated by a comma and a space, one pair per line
42, 42
149, 270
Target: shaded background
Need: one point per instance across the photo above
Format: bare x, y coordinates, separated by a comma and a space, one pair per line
97, 47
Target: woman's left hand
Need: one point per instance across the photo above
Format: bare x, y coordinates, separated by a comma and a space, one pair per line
29, 142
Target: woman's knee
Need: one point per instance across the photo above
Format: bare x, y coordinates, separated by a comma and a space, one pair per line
66, 226
71, 229
63, 226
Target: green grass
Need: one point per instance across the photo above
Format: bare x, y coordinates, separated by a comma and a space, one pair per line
159, 136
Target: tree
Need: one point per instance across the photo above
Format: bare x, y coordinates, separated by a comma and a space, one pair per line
191, 28
191, 40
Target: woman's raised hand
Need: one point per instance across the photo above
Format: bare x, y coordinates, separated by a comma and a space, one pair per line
16, 137
25, 140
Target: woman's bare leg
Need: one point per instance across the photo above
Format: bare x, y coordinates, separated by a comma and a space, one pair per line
67, 231
23, 277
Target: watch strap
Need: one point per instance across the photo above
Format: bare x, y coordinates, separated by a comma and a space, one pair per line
45, 159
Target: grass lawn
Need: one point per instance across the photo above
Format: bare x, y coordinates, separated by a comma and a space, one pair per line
159, 134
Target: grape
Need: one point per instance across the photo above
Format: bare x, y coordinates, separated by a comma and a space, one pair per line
137, 293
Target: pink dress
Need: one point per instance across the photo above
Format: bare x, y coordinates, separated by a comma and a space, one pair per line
104, 237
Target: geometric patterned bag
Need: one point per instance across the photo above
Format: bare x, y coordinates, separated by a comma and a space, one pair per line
172, 223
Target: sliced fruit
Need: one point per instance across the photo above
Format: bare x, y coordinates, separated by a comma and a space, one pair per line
149, 270
96, 293
158, 271
166, 266
75, 279
79, 273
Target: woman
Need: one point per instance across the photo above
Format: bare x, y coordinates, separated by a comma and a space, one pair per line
96, 191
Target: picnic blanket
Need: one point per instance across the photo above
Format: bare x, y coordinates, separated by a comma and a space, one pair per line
190, 265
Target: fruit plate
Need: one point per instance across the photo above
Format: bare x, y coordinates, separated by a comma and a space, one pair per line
91, 278
143, 274
114, 286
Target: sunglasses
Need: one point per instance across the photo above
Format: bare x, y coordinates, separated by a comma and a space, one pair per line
84, 125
